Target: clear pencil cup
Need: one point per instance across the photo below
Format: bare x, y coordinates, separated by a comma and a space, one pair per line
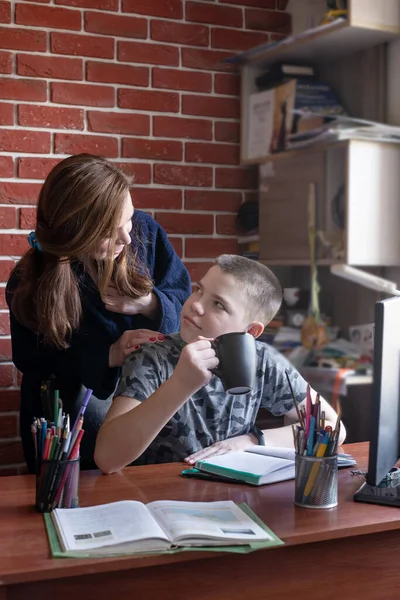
57, 484
316, 481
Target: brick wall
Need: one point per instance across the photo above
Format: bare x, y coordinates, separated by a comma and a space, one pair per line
138, 81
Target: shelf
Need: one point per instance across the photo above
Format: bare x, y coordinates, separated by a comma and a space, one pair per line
327, 42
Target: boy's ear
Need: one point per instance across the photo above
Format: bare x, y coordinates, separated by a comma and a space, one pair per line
256, 328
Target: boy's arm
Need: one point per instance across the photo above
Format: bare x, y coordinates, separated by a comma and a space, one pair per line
130, 426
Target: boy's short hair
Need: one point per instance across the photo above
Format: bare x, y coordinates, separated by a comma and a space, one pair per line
260, 287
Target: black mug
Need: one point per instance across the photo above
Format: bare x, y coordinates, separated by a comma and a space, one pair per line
237, 355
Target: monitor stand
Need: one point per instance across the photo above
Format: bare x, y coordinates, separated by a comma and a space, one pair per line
387, 492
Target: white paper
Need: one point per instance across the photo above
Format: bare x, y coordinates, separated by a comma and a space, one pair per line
260, 123
191, 521
106, 525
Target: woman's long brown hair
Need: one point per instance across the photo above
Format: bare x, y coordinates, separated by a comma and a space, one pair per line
80, 205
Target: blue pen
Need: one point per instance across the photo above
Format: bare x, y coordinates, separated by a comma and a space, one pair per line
310, 439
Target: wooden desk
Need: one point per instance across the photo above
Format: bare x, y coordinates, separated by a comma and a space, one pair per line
354, 547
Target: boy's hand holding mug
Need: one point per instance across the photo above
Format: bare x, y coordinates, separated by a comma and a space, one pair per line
193, 370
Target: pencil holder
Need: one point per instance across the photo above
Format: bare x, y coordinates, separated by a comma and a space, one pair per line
57, 484
316, 481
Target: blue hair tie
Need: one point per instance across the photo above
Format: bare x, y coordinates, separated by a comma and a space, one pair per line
33, 242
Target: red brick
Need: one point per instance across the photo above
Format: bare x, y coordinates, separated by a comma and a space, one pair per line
96, 22
156, 198
67, 143
56, 117
210, 247
11, 452
6, 113
18, 193
174, 79
154, 54
52, 67
35, 168
227, 131
22, 39
9, 399
236, 178
218, 154
208, 60
17, 140
214, 14
197, 270
83, 94
6, 60
47, 16
171, 9
213, 106
82, 45
226, 225
228, 84
3, 303
211, 200
183, 175
7, 379
177, 245
5, 12
8, 426
8, 220
178, 127
151, 149
179, 33
27, 218
268, 20
114, 73
100, 4
4, 326
148, 100
6, 166
23, 89
41, 1
260, 3
118, 122
141, 172
241, 40
186, 223
11, 245
4, 330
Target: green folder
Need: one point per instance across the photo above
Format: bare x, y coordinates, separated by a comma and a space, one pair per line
57, 552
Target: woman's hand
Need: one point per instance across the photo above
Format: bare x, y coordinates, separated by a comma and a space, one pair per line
128, 342
241, 442
146, 305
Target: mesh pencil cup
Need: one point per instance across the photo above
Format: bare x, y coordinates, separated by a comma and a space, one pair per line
316, 481
57, 484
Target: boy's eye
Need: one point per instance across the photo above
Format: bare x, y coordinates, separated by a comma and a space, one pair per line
197, 290
219, 305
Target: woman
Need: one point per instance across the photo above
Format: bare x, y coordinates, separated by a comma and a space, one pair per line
99, 280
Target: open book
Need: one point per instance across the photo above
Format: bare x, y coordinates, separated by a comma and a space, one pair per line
130, 527
258, 465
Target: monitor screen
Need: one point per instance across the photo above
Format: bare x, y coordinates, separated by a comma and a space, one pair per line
384, 444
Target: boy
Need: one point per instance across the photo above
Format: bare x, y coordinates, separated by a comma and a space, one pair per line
170, 407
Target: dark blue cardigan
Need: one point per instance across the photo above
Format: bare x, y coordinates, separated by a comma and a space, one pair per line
86, 360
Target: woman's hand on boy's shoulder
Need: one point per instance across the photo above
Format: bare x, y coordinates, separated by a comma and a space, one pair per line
235, 444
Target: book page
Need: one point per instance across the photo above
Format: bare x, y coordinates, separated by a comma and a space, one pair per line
105, 525
219, 521
245, 462
287, 453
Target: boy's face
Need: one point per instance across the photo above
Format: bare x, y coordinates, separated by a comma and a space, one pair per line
216, 307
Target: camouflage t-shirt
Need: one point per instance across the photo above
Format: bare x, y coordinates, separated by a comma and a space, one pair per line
210, 415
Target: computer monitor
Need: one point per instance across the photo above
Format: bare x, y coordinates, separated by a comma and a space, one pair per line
385, 415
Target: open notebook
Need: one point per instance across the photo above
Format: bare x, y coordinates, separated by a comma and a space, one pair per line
259, 465
131, 527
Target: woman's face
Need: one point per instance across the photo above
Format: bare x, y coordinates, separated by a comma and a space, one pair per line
122, 237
